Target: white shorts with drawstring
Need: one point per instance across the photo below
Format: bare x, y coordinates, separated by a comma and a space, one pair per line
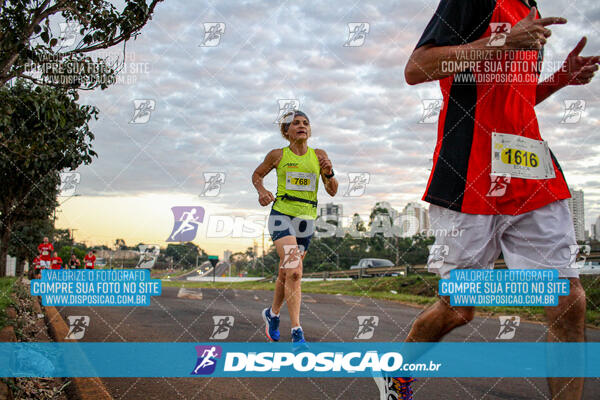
539, 239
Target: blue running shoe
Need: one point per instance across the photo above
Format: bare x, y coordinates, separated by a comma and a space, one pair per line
298, 342
271, 325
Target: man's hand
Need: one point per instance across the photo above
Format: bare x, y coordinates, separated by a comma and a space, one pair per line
531, 33
577, 70
265, 198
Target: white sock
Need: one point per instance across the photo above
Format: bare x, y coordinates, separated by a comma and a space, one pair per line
273, 314
296, 327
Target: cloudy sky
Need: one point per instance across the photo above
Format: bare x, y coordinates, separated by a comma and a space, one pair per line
215, 107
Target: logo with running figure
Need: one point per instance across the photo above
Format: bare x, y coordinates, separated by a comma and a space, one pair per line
573, 111
431, 110
213, 31
223, 325
187, 220
357, 183
508, 327
286, 107
357, 33
207, 359
212, 183
499, 33
366, 326
292, 255
437, 255
142, 109
68, 33
578, 255
499, 184
77, 326
68, 183
148, 255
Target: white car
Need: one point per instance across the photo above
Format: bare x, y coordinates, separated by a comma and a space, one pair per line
373, 263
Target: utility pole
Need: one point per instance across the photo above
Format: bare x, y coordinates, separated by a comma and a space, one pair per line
263, 253
254, 254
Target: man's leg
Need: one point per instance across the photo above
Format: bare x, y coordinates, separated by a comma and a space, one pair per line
438, 320
544, 238
566, 323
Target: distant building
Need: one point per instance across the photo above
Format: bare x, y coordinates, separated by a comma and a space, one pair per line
331, 211
226, 255
420, 213
357, 223
382, 217
595, 229
118, 254
577, 213
384, 205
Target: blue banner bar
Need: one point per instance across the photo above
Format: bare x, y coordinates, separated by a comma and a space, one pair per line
235, 359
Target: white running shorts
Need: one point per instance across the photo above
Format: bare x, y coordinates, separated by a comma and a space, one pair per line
542, 238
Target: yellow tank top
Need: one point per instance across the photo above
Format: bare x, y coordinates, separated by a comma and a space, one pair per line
297, 184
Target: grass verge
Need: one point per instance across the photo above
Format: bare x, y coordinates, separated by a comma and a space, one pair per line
6, 288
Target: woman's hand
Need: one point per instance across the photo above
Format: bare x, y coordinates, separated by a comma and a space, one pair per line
265, 198
325, 164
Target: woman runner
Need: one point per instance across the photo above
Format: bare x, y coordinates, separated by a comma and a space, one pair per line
291, 222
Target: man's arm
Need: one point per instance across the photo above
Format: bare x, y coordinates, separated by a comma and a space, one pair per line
576, 70
426, 62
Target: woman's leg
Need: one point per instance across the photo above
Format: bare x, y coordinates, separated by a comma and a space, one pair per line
290, 268
279, 295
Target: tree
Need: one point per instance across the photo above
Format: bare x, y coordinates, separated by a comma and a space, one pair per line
30, 49
184, 255
65, 252
120, 244
61, 238
42, 131
29, 230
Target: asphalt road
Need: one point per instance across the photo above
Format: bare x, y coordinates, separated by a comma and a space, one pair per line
327, 318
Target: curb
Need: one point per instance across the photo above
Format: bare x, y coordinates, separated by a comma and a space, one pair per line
81, 388
7, 334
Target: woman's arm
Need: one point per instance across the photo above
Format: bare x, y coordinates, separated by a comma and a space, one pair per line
331, 184
271, 160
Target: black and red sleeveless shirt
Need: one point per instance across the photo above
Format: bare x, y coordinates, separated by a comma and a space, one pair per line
498, 95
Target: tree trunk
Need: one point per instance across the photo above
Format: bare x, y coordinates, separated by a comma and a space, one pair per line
4, 238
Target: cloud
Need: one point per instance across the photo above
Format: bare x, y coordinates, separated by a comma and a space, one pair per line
215, 106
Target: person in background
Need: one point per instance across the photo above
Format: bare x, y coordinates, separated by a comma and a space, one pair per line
74, 262
37, 268
90, 259
56, 262
45, 250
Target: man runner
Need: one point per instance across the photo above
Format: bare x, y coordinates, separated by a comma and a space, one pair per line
56, 262
45, 250
89, 260
487, 56
37, 269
